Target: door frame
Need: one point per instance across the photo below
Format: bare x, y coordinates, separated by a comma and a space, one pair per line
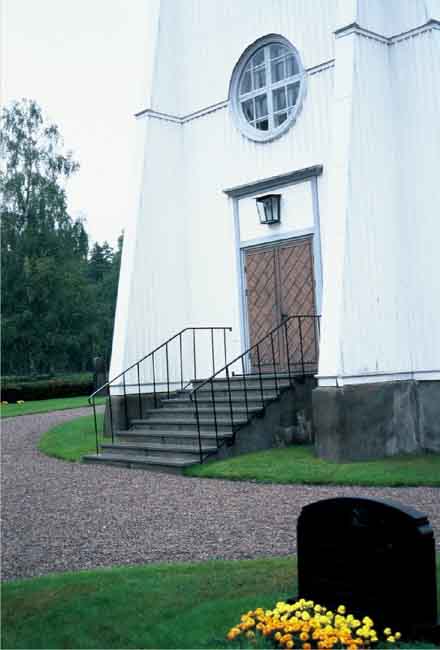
309, 175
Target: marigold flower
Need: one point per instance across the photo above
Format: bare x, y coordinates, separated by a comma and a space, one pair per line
304, 636
397, 636
391, 639
289, 644
250, 635
341, 609
387, 631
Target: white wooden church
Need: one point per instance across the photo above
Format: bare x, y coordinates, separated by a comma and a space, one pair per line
290, 167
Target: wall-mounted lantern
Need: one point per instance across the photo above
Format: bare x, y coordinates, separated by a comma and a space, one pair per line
269, 208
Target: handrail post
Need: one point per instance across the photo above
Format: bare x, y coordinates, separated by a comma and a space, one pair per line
301, 347
181, 361
259, 373
154, 380
245, 387
230, 402
212, 351
316, 337
125, 401
273, 362
139, 392
194, 353
215, 412
96, 425
168, 371
224, 345
110, 411
198, 428
287, 350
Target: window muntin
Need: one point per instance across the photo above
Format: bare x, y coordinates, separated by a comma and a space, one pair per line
268, 88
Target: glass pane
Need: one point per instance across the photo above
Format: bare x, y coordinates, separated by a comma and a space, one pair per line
292, 93
292, 66
259, 78
277, 50
246, 83
248, 109
279, 118
261, 105
258, 58
263, 125
279, 99
278, 70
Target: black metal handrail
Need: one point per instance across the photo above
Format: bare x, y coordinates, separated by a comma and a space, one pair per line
299, 362
184, 379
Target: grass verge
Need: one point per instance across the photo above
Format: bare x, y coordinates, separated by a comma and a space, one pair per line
45, 406
72, 439
298, 464
154, 606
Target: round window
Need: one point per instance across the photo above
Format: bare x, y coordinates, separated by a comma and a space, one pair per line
267, 88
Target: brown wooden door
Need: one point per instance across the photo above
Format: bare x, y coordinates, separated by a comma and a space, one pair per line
279, 283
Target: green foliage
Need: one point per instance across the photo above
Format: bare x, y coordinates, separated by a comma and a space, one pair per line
74, 385
57, 304
298, 464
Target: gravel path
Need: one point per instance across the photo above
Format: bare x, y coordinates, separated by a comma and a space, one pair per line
60, 516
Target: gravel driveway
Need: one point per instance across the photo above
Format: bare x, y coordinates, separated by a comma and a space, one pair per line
60, 516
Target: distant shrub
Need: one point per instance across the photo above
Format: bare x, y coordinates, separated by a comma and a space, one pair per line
18, 388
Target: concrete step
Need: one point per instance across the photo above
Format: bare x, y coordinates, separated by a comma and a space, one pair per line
188, 409
221, 391
250, 383
157, 449
184, 422
166, 463
182, 437
253, 401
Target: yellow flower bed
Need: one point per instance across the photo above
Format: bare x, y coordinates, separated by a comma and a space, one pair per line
307, 625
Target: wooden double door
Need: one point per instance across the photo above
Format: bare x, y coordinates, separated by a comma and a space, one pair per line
280, 283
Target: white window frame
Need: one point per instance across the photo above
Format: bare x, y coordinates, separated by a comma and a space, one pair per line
236, 98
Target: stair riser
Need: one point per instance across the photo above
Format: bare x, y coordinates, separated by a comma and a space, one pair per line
156, 438
163, 469
253, 395
175, 425
208, 404
206, 410
195, 455
251, 385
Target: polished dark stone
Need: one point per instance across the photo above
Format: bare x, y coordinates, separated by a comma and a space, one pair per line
375, 557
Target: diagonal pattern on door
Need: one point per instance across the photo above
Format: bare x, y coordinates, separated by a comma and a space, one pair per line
261, 279
279, 283
297, 291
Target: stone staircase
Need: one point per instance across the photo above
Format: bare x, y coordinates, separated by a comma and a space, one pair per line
167, 438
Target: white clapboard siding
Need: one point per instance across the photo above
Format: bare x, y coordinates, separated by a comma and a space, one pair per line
369, 117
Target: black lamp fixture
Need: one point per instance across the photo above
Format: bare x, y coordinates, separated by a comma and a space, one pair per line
268, 207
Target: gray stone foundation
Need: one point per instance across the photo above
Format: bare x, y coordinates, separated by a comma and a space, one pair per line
369, 421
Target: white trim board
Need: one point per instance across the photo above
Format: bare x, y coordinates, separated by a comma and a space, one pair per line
375, 378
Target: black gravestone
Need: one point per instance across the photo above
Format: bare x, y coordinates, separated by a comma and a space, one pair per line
376, 557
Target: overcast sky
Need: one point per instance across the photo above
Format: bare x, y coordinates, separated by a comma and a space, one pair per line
83, 61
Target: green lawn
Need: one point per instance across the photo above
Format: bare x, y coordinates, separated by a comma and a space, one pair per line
45, 405
72, 439
299, 465
155, 606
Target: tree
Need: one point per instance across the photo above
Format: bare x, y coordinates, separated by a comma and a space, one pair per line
46, 300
